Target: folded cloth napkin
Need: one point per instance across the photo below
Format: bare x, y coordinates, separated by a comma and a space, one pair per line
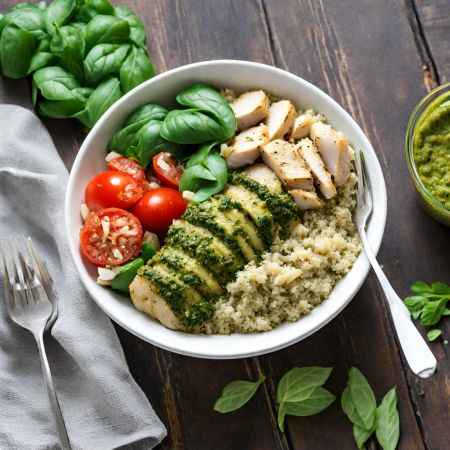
102, 405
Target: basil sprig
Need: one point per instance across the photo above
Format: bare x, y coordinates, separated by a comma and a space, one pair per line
428, 304
236, 394
359, 404
300, 393
206, 173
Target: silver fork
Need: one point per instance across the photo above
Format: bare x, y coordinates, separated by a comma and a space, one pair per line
29, 306
419, 357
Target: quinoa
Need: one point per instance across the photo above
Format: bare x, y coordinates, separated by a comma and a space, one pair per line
297, 275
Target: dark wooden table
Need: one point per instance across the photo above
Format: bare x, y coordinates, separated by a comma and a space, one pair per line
377, 58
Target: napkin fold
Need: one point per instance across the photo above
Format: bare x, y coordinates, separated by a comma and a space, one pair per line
102, 405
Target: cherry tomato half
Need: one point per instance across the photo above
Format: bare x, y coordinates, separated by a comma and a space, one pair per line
158, 208
166, 169
113, 189
128, 166
111, 237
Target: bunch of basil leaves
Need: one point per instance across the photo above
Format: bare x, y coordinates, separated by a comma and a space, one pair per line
207, 120
83, 55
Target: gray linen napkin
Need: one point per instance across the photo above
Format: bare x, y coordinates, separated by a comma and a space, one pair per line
103, 406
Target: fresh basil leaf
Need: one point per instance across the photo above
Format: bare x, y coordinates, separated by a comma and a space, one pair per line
91, 8
58, 13
100, 100
136, 69
16, 51
41, 59
60, 109
68, 45
55, 83
415, 303
137, 31
106, 30
432, 312
208, 99
319, 400
350, 410
419, 287
218, 167
361, 436
126, 137
388, 421
104, 60
193, 178
29, 18
300, 382
440, 288
362, 397
236, 394
281, 416
433, 334
200, 156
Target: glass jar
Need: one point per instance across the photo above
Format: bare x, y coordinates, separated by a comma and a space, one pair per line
434, 99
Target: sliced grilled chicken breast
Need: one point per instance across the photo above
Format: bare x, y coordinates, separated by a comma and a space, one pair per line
302, 126
284, 159
280, 119
313, 160
265, 176
306, 199
333, 147
145, 299
250, 108
245, 147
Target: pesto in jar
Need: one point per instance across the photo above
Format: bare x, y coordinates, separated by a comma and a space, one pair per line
432, 149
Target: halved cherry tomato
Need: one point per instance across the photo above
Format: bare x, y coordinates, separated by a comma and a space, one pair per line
111, 237
166, 169
113, 189
128, 166
158, 208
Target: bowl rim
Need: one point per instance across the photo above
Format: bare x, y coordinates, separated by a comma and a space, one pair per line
415, 118
269, 347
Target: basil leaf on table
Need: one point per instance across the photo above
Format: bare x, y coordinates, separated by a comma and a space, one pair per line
350, 410
91, 8
137, 30
361, 435
362, 397
388, 422
58, 13
106, 30
433, 311
104, 60
236, 394
433, 334
27, 17
68, 45
319, 400
55, 83
136, 69
41, 59
300, 382
16, 51
99, 101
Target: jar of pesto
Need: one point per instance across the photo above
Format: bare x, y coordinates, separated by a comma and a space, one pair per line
427, 149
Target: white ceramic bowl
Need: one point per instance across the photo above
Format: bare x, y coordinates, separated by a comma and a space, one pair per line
239, 75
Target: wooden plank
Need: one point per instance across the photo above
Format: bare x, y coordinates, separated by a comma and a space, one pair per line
367, 61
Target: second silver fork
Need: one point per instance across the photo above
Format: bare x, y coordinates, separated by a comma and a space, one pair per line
29, 306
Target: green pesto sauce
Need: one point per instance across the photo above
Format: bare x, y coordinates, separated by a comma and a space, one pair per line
431, 150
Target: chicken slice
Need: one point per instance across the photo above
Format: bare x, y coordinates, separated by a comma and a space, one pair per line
245, 148
250, 108
280, 119
302, 126
333, 147
284, 159
145, 299
306, 199
313, 160
265, 176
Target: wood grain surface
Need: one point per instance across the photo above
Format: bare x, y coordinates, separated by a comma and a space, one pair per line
377, 58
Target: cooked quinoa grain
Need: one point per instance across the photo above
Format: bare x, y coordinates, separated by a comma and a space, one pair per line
297, 275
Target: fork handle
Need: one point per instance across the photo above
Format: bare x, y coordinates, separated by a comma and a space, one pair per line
416, 351
56, 409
